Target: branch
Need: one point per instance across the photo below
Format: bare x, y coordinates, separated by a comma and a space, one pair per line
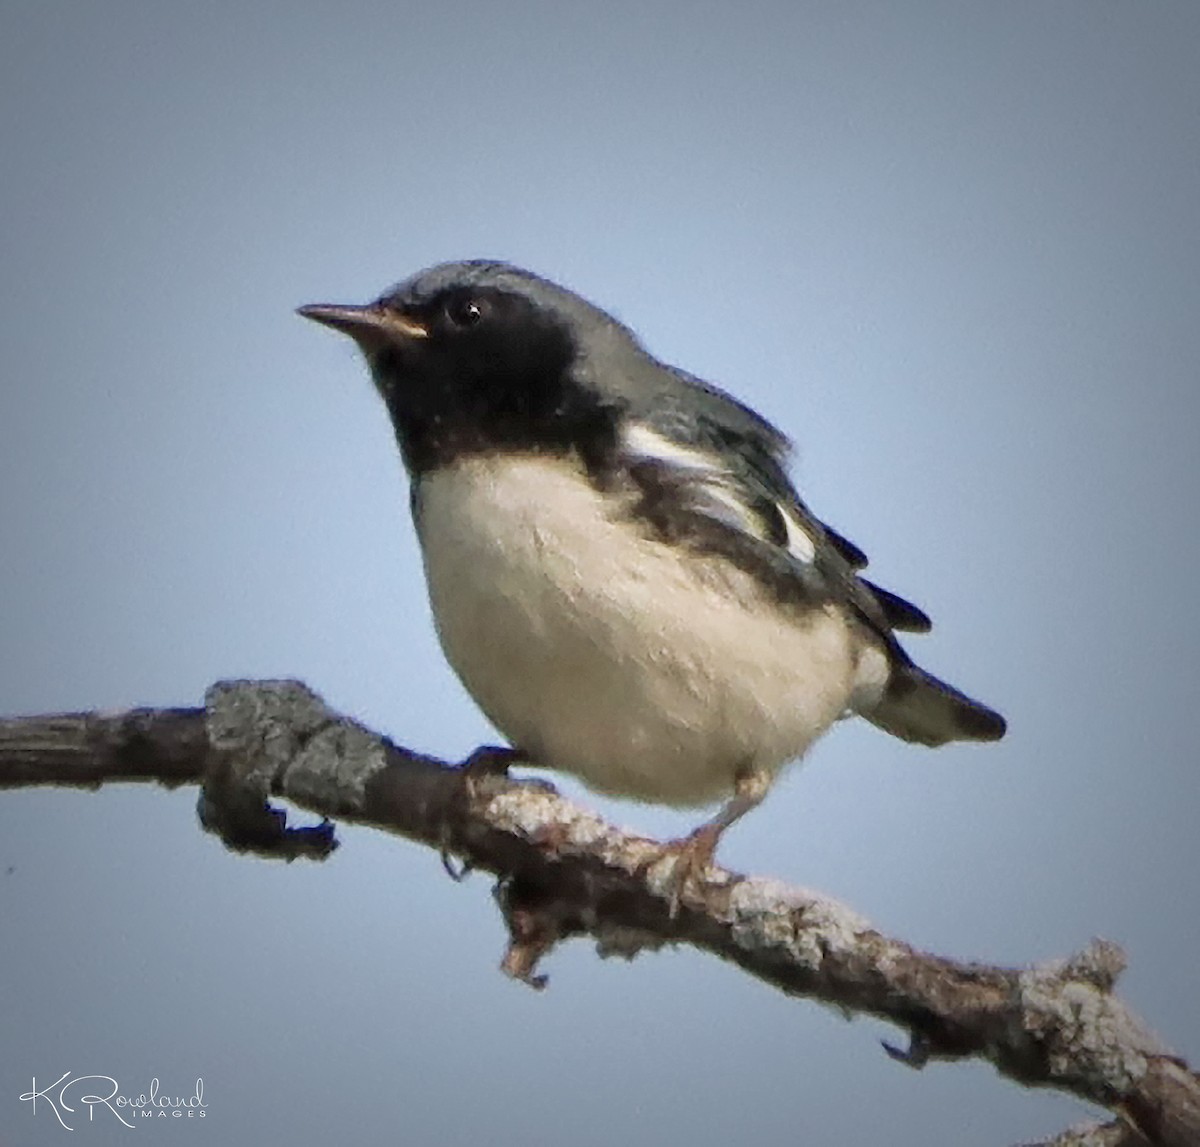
565, 872
1115, 1134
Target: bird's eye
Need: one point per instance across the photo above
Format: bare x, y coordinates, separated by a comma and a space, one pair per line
464, 311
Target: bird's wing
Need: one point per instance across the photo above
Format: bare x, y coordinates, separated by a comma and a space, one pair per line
719, 481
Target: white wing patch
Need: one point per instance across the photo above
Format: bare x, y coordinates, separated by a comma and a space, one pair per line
643, 442
703, 470
799, 542
707, 474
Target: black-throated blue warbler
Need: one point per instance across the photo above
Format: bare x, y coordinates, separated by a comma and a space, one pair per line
620, 571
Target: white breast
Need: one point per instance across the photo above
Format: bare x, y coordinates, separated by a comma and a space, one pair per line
595, 649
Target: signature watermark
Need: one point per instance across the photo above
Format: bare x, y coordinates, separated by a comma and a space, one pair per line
93, 1091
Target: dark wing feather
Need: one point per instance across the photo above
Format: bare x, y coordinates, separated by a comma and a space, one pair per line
901, 614
845, 547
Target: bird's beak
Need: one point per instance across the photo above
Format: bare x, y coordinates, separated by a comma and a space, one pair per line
371, 326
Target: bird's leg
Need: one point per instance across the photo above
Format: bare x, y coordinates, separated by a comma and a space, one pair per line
694, 852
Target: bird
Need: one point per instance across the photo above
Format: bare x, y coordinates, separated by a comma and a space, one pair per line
619, 567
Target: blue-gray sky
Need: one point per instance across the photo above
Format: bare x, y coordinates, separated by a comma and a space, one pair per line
953, 249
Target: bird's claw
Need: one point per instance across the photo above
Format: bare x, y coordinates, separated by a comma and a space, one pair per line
486, 761
693, 856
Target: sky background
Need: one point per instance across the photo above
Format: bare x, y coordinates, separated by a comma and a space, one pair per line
952, 248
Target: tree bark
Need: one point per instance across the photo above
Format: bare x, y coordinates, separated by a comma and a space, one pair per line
565, 872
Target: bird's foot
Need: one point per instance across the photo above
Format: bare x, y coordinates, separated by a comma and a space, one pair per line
693, 855
486, 761
694, 852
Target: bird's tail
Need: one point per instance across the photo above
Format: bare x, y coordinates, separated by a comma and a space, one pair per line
916, 706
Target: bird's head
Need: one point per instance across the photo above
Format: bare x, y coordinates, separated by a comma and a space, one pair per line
480, 354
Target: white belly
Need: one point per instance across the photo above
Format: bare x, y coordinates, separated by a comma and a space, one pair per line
595, 650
